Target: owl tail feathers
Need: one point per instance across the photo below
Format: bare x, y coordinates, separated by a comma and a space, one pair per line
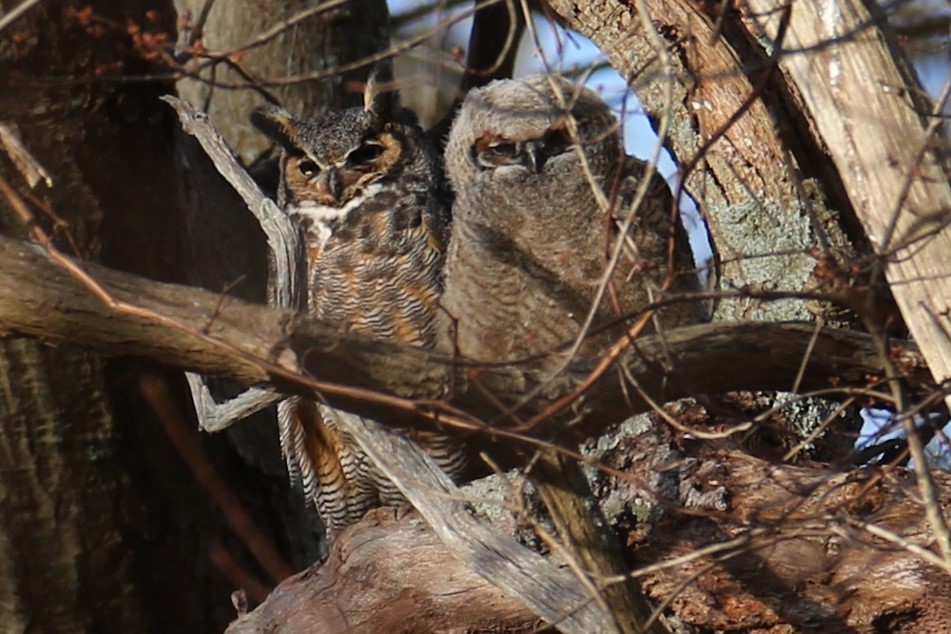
446, 451
321, 460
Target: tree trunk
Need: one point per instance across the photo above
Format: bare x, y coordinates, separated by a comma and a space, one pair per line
99, 519
879, 130
104, 528
408, 582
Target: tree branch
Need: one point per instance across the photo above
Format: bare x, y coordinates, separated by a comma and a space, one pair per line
743, 544
407, 580
255, 345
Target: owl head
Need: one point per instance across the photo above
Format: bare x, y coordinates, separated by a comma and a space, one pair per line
518, 131
332, 158
524, 158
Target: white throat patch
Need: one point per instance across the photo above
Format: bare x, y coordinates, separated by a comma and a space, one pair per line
323, 217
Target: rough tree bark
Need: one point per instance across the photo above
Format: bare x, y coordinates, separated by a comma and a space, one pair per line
872, 119
828, 554
694, 79
250, 344
796, 512
430, 591
98, 520
789, 162
103, 527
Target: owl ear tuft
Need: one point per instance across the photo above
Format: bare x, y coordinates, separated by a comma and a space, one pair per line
278, 124
379, 96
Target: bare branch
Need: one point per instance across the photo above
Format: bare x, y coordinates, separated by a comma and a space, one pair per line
255, 345
13, 14
553, 594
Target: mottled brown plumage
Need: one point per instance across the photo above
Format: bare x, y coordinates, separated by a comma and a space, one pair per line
366, 188
541, 187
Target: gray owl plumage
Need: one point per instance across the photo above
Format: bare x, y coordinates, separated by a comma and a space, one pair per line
366, 188
530, 240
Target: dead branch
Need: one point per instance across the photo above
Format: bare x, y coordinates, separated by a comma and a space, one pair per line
193, 329
555, 595
407, 581
739, 543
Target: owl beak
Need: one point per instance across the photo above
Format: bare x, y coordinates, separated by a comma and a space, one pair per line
335, 184
534, 156
330, 184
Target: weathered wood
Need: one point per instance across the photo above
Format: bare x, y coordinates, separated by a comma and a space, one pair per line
554, 594
285, 253
387, 575
284, 240
586, 536
742, 544
255, 345
869, 114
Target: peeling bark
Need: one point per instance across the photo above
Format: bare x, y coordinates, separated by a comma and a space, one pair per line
726, 541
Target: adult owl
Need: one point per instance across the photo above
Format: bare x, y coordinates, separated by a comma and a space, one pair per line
366, 188
541, 186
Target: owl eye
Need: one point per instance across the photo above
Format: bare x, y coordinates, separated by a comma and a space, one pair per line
366, 153
308, 168
494, 153
503, 150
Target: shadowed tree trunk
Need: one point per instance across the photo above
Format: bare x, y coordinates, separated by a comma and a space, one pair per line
98, 518
103, 526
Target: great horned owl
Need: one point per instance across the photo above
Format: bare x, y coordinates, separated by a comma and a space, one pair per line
366, 188
541, 186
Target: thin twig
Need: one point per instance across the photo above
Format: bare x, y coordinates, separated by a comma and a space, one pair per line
13, 14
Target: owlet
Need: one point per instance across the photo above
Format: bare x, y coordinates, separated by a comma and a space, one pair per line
542, 186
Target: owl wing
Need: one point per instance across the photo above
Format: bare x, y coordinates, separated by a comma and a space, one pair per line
655, 228
379, 274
